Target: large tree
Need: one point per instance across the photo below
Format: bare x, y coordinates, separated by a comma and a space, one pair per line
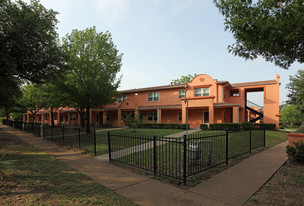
93, 63
184, 79
272, 29
29, 46
296, 90
291, 114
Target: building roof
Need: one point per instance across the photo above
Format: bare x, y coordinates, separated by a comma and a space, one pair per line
154, 88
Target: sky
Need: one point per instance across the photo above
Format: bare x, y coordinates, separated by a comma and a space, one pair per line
162, 40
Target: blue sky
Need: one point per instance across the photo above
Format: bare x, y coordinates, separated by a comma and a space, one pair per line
164, 39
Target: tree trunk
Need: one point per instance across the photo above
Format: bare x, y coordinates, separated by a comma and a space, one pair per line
7, 113
88, 120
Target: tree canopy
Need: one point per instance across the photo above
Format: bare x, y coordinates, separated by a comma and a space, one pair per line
29, 46
93, 63
271, 29
296, 90
291, 114
184, 79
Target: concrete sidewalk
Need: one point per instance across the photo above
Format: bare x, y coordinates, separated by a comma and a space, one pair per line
234, 186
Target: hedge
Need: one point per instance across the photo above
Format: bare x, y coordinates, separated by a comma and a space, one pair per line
267, 126
204, 126
247, 125
225, 126
162, 126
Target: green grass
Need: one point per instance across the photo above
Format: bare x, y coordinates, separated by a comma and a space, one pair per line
40, 179
275, 137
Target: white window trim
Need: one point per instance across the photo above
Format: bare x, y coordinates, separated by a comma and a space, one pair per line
179, 97
153, 96
122, 98
201, 94
154, 115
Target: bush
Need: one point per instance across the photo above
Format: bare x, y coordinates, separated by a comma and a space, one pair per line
300, 129
204, 126
297, 152
162, 126
247, 125
225, 126
267, 126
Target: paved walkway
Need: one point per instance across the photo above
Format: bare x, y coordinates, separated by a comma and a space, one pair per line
233, 186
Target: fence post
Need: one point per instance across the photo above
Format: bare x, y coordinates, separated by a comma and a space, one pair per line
43, 134
264, 137
227, 147
250, 140
62, 134
185, 160
154, 154
52, 132
109, 146
79, 137
95, 142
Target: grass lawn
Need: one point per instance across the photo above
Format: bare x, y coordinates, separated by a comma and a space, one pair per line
39, 179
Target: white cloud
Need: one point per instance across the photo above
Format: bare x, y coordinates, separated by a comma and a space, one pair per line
112, 11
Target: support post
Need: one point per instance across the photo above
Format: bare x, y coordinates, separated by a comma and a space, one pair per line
109, 146
62, 134
154, 154
79, 137
95, 142
185, 160
250, 140
227, 132
264, 137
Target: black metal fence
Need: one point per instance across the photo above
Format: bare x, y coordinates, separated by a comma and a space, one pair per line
71, 136
180, 158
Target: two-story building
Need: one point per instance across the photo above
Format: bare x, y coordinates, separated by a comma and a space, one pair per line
206, 100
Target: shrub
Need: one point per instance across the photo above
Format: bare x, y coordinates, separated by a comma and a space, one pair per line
225, 126
267, 126
300, 129
247, 125
297, 152
162, 126
204, 126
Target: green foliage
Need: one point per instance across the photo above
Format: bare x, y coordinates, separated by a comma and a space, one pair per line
247, 125
291, 114
297, 152
204, 126
296, 90
267, 126
93, 63
29, 43
163, 126
184, 79
131, 119
225, 126
300, 129
264, 28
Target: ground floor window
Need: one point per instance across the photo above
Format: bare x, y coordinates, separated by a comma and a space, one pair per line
61, 118
206, 117
67, 118
97, 118
73, 117
152, 116
180, 117
108, 116
39, 118
46, 117
56, 117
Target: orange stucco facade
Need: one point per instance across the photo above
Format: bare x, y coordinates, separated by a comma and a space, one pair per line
206, 100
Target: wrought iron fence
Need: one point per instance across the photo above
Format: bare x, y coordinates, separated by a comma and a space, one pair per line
180, 158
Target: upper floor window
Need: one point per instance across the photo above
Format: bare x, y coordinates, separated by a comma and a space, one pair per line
153, 96
121, 99
202, 92
181, 93
234, 92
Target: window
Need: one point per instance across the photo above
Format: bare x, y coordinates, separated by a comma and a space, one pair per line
180, 117
234, 93
56, 117
202, 92
46, 117
121, 99
181, 93
39, 118
152, 116
108, 116
153, 96
206, 117
97, 118
67, 118
73, 117
61, 117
